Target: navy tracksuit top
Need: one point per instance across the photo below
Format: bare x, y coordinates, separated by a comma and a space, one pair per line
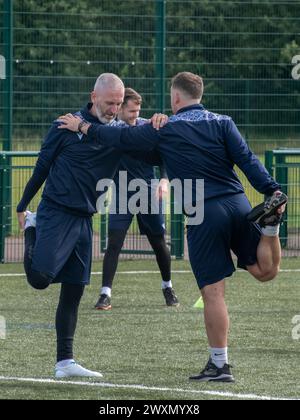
195, 144
72, 168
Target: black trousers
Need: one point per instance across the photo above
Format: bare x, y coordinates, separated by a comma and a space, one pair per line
115, 243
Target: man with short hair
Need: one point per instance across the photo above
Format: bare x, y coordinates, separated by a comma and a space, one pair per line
58, 241
131, 108
152, 225
198, 144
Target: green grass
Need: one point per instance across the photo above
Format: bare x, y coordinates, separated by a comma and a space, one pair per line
143, 342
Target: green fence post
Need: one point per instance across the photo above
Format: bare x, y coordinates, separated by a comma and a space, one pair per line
160, 54
282, 179
177, 231
103, 232
8, 81
278, 170
269, 162
247, 110
2, 205
8, 106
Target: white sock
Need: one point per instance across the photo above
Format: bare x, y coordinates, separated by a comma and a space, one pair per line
271, 230
166, 284
64, 363
106, 291
219, 357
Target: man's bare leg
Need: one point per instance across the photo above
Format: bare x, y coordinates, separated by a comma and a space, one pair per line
268, 259
269, 248
216, 314
217, 328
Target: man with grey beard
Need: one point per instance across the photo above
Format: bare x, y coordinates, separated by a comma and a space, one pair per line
58, 238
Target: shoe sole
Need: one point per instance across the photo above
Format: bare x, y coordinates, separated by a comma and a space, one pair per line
106, 308
256, 214
78, 376
224, 380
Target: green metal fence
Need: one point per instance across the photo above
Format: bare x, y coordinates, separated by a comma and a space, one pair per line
244, 50
18, 167
53, 52
284, 165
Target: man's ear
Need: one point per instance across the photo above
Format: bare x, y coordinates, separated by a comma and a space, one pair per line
93, 97
177, 97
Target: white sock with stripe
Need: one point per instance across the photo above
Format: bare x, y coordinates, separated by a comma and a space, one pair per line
271, 230
219, 357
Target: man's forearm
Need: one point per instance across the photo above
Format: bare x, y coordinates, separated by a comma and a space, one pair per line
258, 176
32, 187
247, 161
144, 138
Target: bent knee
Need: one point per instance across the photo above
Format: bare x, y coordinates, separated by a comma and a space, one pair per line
268, 275
38, 285
39, 281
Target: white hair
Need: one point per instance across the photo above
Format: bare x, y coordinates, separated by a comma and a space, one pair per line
108, 81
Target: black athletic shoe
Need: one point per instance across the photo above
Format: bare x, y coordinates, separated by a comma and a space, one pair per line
213, 374
104, 303
171, 298
265, 214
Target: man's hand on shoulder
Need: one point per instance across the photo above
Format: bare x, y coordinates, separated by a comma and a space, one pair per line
73, 123
159, 120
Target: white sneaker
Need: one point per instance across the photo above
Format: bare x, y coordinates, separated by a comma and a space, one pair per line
30, 219
73, 369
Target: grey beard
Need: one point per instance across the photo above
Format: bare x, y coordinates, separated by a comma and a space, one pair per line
101, 118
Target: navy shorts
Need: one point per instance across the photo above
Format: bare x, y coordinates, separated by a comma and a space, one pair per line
63, 247
224, 229
149, 224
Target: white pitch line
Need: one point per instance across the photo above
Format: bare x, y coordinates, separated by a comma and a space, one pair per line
148, 388
98, 273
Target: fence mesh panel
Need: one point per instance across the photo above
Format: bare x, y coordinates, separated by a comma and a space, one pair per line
243, 49
246, 52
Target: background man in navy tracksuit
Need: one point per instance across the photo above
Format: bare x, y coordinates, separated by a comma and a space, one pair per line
198, 144
59, 249
152, 225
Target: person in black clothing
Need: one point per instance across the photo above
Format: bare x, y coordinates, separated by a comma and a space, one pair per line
58, 243
151, 225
